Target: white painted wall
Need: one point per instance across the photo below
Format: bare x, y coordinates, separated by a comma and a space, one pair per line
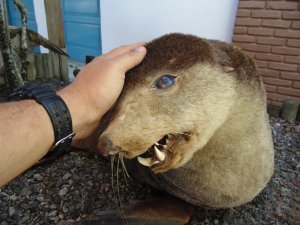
142, 20
40, 16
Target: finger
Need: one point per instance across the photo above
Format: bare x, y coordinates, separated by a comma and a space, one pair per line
131, 59
119, 51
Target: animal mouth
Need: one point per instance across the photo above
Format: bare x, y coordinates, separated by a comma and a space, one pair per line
160, 154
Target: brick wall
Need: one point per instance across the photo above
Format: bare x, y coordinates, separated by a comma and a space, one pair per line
269, 31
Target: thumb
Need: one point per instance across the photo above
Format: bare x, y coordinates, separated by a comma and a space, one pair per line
131, 59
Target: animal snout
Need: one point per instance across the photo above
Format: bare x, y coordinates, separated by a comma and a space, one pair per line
105, 145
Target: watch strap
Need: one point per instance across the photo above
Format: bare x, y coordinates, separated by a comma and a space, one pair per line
56, 108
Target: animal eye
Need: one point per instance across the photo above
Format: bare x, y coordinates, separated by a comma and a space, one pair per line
164, 81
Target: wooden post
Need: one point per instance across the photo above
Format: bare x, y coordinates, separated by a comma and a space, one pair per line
50, 66
55, 24
45, 65
31, 71
289, 109
55, 65
63, 63
38, 62
274, 110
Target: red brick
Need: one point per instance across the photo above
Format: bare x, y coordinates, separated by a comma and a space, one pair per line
282, 66
293, 43
250, 54
261, 64
260, 31
240, 30
290, 76
255, 47
286, 50
268, 73
289, 91
251, 4
268, 57
292, 59
247, 22
276, 97
296, 85
270, 102
277, 82
282, 5
266, 14
296, 24
270, 41
287, 33
276, 23
243, 13
243, 38
291, 15
270, 88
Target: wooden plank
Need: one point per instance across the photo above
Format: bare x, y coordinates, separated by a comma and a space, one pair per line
50, 66
38, 62
55, 22
31, 71
55, 65
45, 65
63, 63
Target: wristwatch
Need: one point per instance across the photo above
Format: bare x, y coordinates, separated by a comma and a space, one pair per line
57, 110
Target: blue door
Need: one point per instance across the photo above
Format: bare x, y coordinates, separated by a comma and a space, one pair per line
15, 17
82, 28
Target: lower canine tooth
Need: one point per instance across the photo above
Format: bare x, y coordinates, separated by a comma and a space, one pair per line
160, 155
145, 161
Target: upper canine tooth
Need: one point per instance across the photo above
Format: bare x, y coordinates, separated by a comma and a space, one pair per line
145, 161
160, 155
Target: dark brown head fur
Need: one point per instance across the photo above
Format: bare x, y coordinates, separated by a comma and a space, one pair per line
175, 52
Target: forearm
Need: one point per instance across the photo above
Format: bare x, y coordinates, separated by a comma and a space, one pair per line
27, 134
22, 127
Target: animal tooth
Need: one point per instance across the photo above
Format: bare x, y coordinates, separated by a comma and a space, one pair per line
156, 143
160, 155
167, 141
155, 162
164, 146
145, 161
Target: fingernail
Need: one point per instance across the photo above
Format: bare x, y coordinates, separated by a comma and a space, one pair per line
140, 49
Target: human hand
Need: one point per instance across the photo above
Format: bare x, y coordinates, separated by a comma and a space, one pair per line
98, 86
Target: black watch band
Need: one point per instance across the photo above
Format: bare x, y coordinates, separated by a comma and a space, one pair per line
56, 109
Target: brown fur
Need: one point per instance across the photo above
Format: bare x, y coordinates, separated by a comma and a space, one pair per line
219, 99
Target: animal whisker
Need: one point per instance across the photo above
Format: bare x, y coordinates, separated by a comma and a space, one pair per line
117, 198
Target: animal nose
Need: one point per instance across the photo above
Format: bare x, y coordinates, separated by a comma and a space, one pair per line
104, 145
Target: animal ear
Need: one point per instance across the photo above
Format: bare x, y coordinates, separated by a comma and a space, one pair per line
232, 58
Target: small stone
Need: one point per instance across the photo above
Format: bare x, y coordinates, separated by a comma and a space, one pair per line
52, 213
40, 198
25, 191
65, 209
38, 177
216, 221
53, 206
24, 219
67, 176
4, 223
11, 211
13, 197
63, 192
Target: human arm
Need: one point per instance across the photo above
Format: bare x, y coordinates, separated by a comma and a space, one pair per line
26, 132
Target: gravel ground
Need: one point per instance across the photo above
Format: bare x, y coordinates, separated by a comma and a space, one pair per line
79, 184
